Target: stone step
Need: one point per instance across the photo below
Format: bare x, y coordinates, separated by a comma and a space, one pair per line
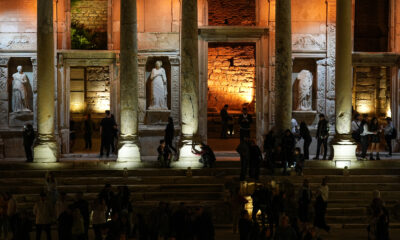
133, 188
386, 195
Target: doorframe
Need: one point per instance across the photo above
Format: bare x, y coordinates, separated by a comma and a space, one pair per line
235, 34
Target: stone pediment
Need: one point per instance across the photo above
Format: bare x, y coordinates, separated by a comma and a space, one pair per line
308, 42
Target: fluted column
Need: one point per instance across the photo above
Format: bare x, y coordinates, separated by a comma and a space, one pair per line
129, 145
45, 149
189, 84
344, 147
283, 65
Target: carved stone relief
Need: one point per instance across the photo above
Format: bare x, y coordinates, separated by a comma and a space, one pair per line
308, 42
303, 98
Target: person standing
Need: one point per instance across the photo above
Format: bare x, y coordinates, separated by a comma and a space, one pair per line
51, 187
224, 121
28, 138
320, 206
169, 134
164, 154
12, 212
364, 137
64, 217
322, 136
43, 210
287, 145
375, 138
245, 121
356, 130
294, 126
255, 160
107, 130
244, 151
304, 201
305, 134
83, 206
88, 130
390, 134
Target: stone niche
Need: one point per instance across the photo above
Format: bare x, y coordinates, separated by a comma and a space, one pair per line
304, 68
19, 119
157, 116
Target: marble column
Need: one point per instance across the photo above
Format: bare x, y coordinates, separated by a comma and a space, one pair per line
45, 149
189, 85
343, 145
129, 145
283, 65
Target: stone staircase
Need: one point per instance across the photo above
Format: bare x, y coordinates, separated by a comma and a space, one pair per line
349, 195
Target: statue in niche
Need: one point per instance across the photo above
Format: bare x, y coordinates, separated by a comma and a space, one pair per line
20, 100
159, 89
304, 95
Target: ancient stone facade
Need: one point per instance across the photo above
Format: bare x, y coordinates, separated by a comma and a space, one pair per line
231, 75
371, 91
231, 13
92, 14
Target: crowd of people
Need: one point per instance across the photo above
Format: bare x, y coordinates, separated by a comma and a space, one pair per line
369, 133
110, 216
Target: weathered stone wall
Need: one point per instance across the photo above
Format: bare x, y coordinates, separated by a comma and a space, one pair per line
372, 90
91, 13
18, 24
98, 89
228, 12
231, 75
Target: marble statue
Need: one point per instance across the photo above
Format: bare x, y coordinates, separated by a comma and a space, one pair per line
159, 90
304, 95
20, 100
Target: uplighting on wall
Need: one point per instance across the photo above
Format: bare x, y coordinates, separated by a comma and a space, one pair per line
363, 108
389, 112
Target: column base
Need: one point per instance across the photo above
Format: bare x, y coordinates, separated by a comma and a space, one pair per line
344, 150
45, 150
129, 151
186, 156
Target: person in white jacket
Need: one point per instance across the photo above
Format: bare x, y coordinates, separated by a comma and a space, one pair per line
364, 138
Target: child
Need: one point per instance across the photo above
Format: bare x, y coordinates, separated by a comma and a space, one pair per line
299, 160
164, 154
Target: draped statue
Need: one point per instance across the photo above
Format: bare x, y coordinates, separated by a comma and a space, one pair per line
304, 95
159, 89
20, 100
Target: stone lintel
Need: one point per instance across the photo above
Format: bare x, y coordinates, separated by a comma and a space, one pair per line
376, 59
231, 32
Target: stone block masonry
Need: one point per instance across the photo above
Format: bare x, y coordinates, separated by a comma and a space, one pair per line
232, 12
98, 89
372, 90
91, 13
231, 75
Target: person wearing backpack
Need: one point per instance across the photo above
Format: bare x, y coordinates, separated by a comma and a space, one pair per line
390, 133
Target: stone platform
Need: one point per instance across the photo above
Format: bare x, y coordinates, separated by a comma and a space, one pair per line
349, 195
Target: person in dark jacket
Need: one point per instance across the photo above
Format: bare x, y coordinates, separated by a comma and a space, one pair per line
305, 134
107, 133
169, 134
322, 136
88, 130
28, 138
245, 225
255, 160
83, 207
224, 121
203, 225
269, 147
244, 151
305, 195
245, 121
288, 143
